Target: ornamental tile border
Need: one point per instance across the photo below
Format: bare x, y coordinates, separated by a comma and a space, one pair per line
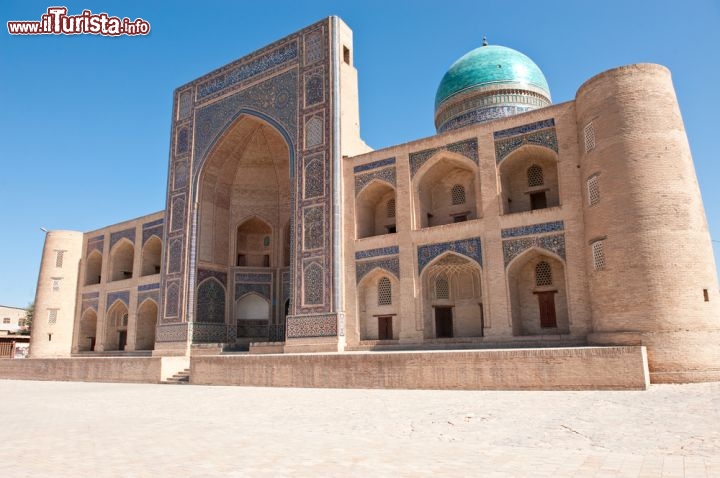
470, 248
533, 229
390, 264
361, 180
203, 274
527, 128
124, 234
312, 326
145, 287
261, 277
467, 148
374, 165
514, 247
123, 296
382, 251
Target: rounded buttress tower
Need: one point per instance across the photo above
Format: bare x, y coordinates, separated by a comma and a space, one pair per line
52, 327
650, 263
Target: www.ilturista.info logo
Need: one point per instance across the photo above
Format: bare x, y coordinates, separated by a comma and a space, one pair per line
57, 22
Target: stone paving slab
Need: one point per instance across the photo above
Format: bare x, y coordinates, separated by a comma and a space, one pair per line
73, 429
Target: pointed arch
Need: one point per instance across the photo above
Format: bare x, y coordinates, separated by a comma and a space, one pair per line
371, 209
377, 319
122, 257
147, 315
116, 323
211, 301
254, 242
93, 268
252, 306
433, 190
537, 291
87, 332
528, 179
151, 256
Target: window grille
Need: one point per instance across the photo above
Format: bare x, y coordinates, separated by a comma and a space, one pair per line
535, 176
543, 274
59, 258
384, 292
598, 254
593, 190
457, 194
442, 289
589, 133
52, 316
391, 208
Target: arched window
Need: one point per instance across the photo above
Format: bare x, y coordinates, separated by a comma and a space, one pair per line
535, 176
457, 194
543, 274
384, 291
442, 289
391, 208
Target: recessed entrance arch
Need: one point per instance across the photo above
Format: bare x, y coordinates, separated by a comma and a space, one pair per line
244, 194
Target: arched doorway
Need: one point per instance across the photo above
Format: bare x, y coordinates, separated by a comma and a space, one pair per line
116, 321
452, 297
378, 306
146, 320
88, 331
244, 193
538, 295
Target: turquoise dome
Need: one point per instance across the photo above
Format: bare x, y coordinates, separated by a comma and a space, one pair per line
488, 83
488, 65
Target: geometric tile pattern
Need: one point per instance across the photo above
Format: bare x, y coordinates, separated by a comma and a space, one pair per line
314, 93
361, 180
390, 264
470, 248
253, 277
260, 289
123, 296
211, 302
248, 69
513, 247
154, 228
145, 287
312, 326
541, 133
126, 234
95, 243
374, 165
533, 229
383, 251
204, 333
171, 333
203, 274
467, 148
524, 129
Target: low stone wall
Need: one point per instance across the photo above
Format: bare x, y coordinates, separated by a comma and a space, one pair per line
95, 369
579, 368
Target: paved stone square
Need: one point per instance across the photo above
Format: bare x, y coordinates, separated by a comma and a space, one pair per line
66, 429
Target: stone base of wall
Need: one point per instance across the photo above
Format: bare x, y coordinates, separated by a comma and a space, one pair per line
98, 369
580, 368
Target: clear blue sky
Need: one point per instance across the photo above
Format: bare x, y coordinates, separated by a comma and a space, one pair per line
85, 120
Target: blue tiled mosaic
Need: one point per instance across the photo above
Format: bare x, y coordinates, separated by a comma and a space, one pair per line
89, 304
95, 244
148, 287
374, 165
172, 299
481, 115
527, 128
312, 326
314, 178
313, 227
147, 233
211, 301
390, 264
123, 296
313, 283
153, 295
214, 119
253, 277
251, 68
470, 248
171, 333
157, 222
183, 141
514, 247
544, 137
175, 256
382, 251
467, 148
210, 332
126, 234
314, 91
90, 295
260, 289
177, 213
533, 229
387, 175
203, 274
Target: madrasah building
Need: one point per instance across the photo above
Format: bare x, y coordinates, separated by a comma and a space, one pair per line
521, 223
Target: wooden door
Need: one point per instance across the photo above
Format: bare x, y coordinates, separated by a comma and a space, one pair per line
546, 303
385, 331
443, 322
